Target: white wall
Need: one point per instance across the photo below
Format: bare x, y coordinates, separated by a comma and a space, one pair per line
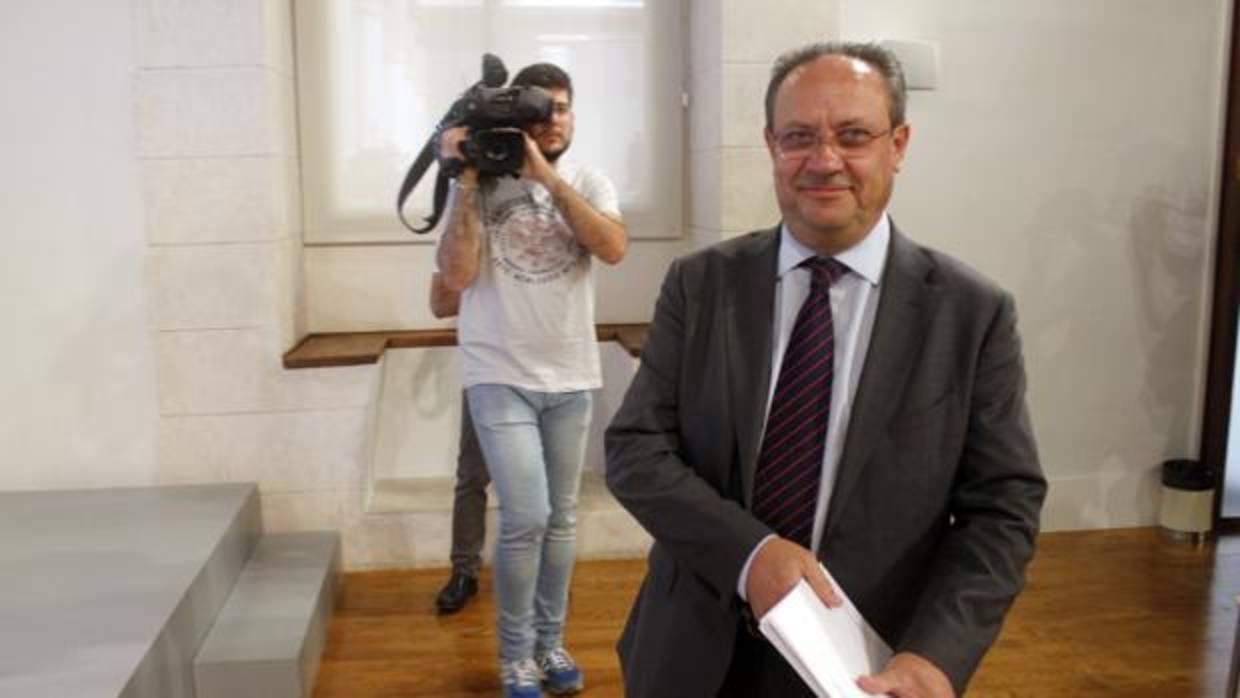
77, 372
1071, 154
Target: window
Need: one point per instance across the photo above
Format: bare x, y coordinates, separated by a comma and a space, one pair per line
375, 77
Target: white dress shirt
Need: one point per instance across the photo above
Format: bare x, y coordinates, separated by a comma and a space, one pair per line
854, 301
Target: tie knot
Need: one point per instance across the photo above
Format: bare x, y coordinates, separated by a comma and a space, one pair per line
824, 271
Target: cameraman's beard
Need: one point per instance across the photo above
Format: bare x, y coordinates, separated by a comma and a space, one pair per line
553, 155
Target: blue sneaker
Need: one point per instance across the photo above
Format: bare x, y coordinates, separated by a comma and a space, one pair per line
521, 679
560, 672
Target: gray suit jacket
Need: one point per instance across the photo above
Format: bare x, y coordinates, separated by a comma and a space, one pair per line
938, 492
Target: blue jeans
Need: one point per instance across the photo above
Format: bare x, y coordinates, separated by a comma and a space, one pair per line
534, 444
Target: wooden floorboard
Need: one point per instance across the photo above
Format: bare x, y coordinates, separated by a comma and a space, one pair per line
1105, 613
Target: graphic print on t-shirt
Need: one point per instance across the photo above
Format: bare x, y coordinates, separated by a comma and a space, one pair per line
530, 242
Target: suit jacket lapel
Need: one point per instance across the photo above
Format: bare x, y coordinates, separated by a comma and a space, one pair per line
900, 323
749, 299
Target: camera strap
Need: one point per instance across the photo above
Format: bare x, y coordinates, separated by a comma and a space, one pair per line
416, 170
447, 170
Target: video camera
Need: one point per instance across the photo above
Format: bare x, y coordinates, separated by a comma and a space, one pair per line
495, 117
495, 145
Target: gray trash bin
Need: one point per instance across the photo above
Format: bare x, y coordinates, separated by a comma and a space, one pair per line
1186, 510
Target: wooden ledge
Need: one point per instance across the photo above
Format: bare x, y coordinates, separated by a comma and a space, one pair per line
357, 348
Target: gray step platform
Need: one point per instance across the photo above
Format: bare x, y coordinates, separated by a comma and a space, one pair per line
109, 593
268, 638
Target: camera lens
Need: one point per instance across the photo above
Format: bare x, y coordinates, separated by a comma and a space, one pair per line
498, 151
495, 151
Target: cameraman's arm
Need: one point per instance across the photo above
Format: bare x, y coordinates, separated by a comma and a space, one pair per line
601, 234
460, 245
444, 301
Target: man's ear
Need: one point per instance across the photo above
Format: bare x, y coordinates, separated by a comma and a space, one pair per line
899, 141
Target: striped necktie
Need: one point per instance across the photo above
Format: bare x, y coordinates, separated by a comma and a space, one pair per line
790, 463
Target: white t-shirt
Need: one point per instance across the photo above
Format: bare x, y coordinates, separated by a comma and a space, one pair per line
528, 319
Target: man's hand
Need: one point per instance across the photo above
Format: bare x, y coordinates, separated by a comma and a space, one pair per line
908, 675
536, 167
450, 143
777, 567
450, 149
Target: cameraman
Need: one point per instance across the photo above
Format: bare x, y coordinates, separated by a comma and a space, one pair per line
519, 250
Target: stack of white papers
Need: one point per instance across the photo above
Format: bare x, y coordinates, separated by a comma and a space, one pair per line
828, 647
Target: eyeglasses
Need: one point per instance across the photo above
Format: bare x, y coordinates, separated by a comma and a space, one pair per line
798, 143
560, 108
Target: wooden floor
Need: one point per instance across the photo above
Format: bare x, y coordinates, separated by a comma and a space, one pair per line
1105, 613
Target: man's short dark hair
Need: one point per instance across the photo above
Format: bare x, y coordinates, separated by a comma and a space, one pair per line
879, 58
546, 76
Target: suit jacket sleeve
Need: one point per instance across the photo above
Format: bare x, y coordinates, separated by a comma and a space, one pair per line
651, 445
979, 565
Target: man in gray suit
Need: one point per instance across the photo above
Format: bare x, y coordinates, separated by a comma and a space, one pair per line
827, 390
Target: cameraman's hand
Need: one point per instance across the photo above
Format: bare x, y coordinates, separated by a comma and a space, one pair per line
536, 166
450, 143
450, 149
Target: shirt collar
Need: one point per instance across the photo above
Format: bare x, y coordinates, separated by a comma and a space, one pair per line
866, 258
